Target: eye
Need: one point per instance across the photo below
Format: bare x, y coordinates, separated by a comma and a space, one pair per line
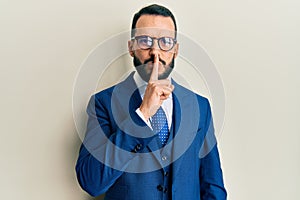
166, 41
146, 41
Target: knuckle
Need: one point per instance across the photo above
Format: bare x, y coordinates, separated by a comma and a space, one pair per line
152, 84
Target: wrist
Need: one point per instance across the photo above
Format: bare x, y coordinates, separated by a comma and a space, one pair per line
145, 113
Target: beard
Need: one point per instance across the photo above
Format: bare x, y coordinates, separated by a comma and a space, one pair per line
145, 75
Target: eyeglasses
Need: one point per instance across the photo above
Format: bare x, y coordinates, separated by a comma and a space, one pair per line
146, 42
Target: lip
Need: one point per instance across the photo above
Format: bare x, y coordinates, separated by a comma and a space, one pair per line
150, 67
150, 64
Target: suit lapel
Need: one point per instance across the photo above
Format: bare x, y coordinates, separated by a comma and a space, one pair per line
128, 88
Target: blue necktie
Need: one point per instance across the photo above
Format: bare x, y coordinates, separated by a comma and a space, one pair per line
159, 124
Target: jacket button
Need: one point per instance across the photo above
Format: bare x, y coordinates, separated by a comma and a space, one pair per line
160, 188
137, 148
134, 150
165, 190
166, 174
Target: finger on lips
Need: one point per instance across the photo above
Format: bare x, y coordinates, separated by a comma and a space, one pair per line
164, 84
154, 74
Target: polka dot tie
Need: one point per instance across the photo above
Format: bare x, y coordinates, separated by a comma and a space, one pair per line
159, 124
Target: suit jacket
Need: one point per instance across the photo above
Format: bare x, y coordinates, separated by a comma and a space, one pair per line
120, 155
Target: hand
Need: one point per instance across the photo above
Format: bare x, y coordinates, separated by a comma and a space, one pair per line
156, 92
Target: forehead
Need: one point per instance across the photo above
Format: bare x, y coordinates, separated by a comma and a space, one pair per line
155, 25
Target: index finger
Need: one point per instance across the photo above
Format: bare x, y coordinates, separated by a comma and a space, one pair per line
154, 74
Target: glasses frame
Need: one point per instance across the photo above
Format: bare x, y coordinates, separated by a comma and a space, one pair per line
154, 38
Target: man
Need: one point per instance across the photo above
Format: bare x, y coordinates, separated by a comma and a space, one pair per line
147, 137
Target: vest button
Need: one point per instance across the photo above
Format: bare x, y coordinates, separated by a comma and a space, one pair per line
164, 158
160, 188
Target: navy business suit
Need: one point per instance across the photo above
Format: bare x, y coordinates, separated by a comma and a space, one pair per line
187, 168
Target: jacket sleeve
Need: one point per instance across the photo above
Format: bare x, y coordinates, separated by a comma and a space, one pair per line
101, 158
211, 178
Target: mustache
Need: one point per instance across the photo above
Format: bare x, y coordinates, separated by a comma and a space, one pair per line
151, 59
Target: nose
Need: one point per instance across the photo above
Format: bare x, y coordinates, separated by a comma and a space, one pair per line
155, 50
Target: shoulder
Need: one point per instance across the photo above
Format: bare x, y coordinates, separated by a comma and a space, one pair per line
119, 89
104, 94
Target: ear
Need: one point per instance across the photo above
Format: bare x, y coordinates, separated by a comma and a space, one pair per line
130, 47
176, 49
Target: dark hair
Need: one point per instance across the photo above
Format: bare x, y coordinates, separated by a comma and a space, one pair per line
153, 9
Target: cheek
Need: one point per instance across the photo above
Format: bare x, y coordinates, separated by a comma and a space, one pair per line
141, 55
168, 57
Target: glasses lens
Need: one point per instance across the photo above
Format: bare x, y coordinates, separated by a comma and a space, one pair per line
144, 42
166, 43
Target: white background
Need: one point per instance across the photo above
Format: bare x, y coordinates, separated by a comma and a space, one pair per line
254, 44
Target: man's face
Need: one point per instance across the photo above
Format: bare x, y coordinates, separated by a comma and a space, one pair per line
154, 26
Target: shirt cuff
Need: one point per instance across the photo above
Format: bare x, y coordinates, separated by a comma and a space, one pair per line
140, 114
